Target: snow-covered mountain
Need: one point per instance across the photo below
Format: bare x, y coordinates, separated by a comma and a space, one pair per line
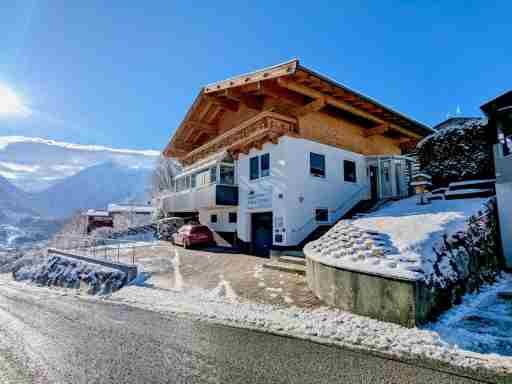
94, 187
34, 164
42, 180
13, 201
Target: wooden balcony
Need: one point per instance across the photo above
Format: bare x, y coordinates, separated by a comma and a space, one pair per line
252, 133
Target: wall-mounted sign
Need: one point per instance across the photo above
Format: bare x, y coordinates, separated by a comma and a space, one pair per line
259, 199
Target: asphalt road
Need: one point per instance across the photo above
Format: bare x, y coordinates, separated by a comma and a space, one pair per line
49, 339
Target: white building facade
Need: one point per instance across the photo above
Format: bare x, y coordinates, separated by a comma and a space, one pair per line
285, 190
271, 156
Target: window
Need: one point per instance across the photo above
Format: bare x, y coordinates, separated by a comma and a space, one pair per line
321, 215
227, 175
182, 184
213, 218
349, 170
317, 164
265, 164
254, 168
213, 175
232, 217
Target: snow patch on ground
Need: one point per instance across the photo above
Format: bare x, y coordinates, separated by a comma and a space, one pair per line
483, 321
324, 324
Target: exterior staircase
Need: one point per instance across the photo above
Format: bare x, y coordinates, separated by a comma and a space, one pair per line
293, 261
465, 190
290, 264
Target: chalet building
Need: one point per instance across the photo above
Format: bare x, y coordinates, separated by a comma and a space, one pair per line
499, 112
271, 155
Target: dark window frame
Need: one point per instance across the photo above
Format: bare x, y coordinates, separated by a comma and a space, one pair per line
265, 159
314, 170
348, 166
214, 218
320, 211
254, 168
230, 217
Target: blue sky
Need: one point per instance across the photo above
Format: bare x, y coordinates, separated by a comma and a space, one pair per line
123, 73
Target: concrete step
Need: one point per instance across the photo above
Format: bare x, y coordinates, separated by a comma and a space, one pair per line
286, 267
468, 193
292, 260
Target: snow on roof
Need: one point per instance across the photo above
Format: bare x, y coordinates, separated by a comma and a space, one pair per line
452, 125
95, 212
130, 208
396, 241
422, 175
418, 183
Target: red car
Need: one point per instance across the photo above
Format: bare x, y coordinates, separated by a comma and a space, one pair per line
193, 234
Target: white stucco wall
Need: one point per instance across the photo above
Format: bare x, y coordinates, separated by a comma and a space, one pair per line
504, 198
291, 192
223, 224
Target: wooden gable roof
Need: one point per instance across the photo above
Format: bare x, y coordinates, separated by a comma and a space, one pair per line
297, 90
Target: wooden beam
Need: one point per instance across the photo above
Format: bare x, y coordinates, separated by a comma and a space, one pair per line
314, 106
251, 101
277, 92
230, 105
200, 126
204, 111
284, 69
307, 91
378, 130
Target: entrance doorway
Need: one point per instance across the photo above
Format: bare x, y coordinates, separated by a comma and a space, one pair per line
385, 179
261, 224
374, 182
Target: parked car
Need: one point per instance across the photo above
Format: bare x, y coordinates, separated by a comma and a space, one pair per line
193, 234
168, 226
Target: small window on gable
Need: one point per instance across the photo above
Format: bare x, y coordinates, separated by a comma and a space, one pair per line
265, 164
317, 164
349, 171
322, 215
254, 168
232, 217
213, 218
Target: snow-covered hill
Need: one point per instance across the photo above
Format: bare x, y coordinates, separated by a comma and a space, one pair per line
44, 180
94, 187
13, 201
35, 164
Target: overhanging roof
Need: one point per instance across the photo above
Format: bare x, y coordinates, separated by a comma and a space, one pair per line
295, 80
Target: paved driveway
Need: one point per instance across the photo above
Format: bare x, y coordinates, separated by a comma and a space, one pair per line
175, 267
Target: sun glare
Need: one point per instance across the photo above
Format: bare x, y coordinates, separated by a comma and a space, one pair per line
11, 105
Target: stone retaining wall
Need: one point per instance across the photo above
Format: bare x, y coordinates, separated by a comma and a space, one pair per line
129, 270
405, 302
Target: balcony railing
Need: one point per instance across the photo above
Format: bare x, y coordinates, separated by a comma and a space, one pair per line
266, 126
206, 197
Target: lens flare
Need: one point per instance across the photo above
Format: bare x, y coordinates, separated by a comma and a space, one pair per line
11, 105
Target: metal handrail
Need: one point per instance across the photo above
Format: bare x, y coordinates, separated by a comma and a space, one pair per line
95, 247
312, 219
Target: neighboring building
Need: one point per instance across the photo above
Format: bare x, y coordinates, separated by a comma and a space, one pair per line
271, 155
499, 112
128, 216
97, 219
